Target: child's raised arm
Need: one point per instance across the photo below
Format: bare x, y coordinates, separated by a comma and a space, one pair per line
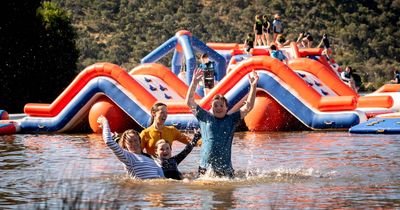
198, 74
121, 154
188, 148
249, 103
106, 133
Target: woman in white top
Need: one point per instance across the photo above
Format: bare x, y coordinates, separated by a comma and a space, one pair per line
128, 151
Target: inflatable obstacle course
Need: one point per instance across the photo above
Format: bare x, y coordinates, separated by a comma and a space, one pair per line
306, 93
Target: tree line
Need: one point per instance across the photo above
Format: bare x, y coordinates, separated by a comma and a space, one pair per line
364, 34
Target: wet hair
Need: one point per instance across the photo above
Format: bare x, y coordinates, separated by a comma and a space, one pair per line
351, 69
161, 141
272, 47
154, 109
124, 138
222, 98
265, 17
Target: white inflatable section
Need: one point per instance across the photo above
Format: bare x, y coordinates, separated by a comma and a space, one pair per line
158, 88
316, 83
287, 51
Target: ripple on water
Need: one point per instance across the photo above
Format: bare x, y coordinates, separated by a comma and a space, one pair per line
292, 170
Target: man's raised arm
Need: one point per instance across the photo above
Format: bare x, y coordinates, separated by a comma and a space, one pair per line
249, 103
198, 74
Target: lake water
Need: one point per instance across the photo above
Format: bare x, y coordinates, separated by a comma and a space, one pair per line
282, 170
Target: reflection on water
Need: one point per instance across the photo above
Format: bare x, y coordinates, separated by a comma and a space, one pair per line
273, 170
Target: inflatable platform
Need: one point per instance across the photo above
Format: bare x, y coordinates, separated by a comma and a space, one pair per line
383, 123
306, 92
378, 125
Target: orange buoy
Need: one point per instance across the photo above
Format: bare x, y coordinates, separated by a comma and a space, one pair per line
269, 115
119, 121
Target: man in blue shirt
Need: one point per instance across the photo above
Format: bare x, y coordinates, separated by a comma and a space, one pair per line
218, 127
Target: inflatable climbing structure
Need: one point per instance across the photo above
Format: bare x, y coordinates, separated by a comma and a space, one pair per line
305, 93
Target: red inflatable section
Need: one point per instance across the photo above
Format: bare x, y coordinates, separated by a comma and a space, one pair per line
118, 119
7, 128
269, 115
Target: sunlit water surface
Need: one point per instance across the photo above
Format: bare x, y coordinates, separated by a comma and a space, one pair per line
294, 170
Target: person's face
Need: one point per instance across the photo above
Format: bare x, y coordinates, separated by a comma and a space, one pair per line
160, 115
163, 151
219, 108
204, 60
133, 143
347, 69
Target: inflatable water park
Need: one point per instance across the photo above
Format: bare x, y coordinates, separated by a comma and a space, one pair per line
306, 93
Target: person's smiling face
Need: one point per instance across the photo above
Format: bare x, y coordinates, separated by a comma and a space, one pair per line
160, 115
219, 108
133, 143
163, 150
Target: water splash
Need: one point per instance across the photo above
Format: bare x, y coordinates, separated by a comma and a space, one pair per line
248, 176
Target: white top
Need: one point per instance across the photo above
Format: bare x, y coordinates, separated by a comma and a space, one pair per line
138, 166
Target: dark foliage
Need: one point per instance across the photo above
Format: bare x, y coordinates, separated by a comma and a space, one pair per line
38, 53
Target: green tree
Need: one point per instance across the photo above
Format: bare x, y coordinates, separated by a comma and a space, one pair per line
38, 54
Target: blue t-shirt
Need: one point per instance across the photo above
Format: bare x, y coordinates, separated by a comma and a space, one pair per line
278, 55
277, 26
217, 136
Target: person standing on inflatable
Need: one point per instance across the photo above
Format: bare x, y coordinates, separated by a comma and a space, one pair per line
208, 69
258, 30
277, 26
266, 30
218, 126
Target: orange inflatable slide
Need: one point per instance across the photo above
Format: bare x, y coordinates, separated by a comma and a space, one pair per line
306, 93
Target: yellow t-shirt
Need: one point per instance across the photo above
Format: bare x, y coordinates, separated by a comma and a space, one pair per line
150, 136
